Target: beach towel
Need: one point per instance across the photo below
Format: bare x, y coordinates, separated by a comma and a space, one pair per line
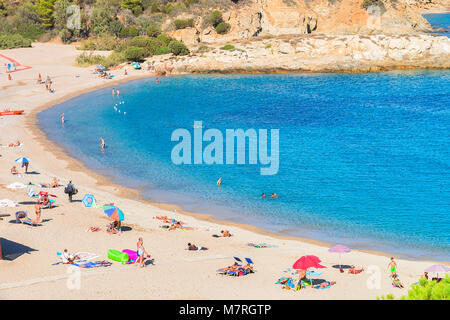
261, 245
86, 255
16, 185
8, 203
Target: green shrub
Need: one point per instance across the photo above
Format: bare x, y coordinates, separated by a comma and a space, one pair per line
178, 48
223, 27
154, 8
153, 31
10, 41
228, 47
430, 290
162, 50
214, 18
189, 2
135, 53
134, 5
129, 32
164, 39
85, 59
181, 24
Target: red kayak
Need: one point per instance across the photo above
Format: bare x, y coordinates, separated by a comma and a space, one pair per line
11, 112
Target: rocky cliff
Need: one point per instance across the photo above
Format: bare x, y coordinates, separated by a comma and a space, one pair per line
259, 18
343, 53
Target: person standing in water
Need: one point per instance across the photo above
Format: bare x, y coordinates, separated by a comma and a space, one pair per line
102, 141
62, 119
219, 182
393, 267
113, 91
117, 92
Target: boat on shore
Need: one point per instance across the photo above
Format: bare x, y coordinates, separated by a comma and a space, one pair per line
10, 112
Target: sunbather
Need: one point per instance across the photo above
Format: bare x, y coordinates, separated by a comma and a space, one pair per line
175, 225
14, 170
396, 282
193, 247
14, 144
325, 284
355, 271
225, 233
93, 229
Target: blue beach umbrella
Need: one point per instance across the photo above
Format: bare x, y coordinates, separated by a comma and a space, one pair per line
113, 212
22, 160
88, 200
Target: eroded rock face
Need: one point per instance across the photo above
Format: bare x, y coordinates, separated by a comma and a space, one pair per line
295, 17
349, 53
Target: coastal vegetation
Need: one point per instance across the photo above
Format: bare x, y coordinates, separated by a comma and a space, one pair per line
47, 19
426, 290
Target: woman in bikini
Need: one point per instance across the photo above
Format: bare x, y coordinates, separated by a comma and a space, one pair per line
140, 252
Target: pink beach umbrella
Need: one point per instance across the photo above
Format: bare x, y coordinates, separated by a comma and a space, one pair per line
437, 268
339, 248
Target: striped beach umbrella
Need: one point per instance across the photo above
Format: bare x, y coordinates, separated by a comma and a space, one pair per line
339, 248
113, 212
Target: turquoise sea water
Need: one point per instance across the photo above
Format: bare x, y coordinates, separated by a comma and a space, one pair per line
439, 20
364, 158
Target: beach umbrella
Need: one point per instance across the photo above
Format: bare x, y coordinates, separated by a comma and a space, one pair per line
437, 268
306, 262
88, 200
113, 212
339, 248
22, 160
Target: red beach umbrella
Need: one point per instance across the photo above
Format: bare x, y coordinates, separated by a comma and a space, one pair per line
44, 194
309, 261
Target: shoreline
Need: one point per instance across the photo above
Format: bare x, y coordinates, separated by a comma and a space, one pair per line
173, 272
101, 180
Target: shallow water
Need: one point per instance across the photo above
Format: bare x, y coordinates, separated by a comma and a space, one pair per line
364, 158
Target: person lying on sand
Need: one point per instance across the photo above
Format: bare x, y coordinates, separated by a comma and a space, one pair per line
355, 271
175, 225
325, 284
53, 184
14, 170
396, 282
248, 268
225, 233
193, 247
93, 229
17, 144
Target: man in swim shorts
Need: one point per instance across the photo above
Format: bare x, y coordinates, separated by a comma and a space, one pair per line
393, 267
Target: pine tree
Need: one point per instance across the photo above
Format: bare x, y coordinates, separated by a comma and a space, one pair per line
45, 10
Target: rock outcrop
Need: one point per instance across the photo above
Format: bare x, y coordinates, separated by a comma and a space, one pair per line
259, 18
345, 53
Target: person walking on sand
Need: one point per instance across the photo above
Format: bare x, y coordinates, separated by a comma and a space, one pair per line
140, 252
39, 79
70, 190
393, 267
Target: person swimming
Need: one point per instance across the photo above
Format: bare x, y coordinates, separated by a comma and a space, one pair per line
263, 195
274, 196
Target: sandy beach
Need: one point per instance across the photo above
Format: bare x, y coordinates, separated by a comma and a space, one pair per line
172, 272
